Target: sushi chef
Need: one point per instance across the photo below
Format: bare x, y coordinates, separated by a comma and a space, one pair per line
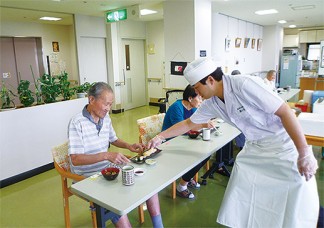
272, 183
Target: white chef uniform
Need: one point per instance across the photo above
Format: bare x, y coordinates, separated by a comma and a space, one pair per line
265, 188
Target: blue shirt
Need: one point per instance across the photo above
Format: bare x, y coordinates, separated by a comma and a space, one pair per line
175, 114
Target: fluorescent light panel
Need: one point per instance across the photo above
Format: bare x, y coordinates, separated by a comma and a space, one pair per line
292, 26
265, 12
50, 18
282, 22
147, 12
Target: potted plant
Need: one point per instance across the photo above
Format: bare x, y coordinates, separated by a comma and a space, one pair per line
6, 96
82, 89
25, 94
64, 85
37, 88
50, 88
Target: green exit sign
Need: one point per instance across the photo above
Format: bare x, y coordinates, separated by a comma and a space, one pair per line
117, 15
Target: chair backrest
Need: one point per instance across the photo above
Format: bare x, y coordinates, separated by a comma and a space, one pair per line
172, 96
61, 157
149, 127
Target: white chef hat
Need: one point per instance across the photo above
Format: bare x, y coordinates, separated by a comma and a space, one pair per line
199, 69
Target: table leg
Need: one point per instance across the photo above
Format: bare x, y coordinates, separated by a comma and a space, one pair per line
102, 215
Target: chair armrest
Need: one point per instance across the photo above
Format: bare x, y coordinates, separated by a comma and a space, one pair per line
67, 174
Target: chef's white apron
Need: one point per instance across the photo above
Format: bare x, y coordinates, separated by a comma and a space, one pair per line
266, 190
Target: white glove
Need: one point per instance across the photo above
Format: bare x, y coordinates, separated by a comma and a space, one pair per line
307, 165
157, 140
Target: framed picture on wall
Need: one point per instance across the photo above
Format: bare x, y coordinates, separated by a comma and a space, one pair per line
252, 43
238, 42
55, 46
259, 44
246, 42
177, 68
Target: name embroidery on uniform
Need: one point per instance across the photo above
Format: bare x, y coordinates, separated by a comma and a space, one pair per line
241, 109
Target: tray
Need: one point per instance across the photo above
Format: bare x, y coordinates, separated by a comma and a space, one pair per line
136, 159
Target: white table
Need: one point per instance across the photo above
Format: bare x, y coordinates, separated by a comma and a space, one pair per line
178, 156
286, 95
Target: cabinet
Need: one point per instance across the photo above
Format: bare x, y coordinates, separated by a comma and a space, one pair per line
290, 41
311, 36
320, 35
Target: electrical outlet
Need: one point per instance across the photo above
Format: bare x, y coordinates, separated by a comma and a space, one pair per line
6, 75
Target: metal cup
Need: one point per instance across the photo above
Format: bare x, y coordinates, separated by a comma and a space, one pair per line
128, 176
206, 134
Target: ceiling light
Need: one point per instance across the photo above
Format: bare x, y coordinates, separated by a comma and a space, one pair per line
147, 11
305, 7
264, 12
50, 18
282, 22
292, 26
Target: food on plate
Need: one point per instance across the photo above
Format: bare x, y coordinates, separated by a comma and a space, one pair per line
149, 152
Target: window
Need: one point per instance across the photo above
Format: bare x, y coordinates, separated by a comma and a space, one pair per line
313, 52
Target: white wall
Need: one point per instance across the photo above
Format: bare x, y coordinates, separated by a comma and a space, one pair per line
203, 28
64, 34
26, 142
179, 38
87, 28
155, 61
272, 46
246, 60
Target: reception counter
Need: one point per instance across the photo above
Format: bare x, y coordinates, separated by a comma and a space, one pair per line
28, 134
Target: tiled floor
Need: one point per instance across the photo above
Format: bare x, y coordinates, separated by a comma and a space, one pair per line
37, 202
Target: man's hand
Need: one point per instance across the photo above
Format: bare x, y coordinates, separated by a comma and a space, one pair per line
307, 164
137, 147
157, 140
117, 158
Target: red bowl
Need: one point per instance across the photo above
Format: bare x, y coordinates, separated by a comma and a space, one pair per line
110, 173
193, 134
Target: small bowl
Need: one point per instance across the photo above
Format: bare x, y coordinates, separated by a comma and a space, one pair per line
139, 171
193, 134
150, 161
110, 173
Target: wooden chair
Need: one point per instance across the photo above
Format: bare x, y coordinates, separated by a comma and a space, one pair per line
148, 128
62, 165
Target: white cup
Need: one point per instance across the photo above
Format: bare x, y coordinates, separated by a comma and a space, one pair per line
206, 134
128, 175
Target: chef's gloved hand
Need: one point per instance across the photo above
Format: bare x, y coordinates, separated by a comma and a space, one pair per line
157, 140
307, 165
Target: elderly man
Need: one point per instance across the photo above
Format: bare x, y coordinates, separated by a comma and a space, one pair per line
272, 183
90, 134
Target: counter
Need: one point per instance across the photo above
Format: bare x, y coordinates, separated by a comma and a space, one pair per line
308, 83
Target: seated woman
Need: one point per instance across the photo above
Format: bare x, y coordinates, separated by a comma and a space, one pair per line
178, 111
270, 79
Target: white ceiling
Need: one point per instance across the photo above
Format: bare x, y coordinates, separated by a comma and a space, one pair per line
31, 10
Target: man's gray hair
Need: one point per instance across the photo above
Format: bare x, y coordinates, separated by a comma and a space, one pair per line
98, 88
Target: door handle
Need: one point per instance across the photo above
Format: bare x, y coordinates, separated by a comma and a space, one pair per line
124, 77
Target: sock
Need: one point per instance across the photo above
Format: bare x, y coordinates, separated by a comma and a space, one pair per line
157, 221
181, 188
